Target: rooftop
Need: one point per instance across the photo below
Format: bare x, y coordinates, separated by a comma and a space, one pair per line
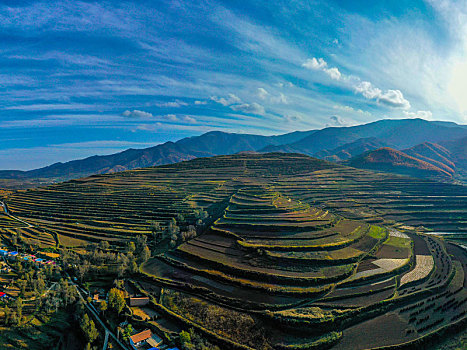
139, 337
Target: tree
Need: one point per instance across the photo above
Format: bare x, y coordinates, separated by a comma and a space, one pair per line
201, 214
103, 306
104, 245
131, 247
127, 331
180, 218
67, 292
155, 228
119, 284
89, 328
22, 286
141, 242
38, 284
116, 300
185, 339
172, 228
13, 318
7, 315
19, 309
82, 271
190, 233
80, 308
14, 239
122, 261
52, 302
145, 254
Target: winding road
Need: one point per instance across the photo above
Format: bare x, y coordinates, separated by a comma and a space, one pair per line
5, 210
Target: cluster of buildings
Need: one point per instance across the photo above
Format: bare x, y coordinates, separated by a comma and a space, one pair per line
144, 340
13, 255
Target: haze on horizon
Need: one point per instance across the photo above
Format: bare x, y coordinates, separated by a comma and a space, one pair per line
80, 78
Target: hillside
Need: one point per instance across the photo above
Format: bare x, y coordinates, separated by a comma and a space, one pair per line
285, 251
434, 154
458, 150
352, 149
390, 160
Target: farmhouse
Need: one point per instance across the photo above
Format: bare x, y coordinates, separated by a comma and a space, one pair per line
139, 301
144, 339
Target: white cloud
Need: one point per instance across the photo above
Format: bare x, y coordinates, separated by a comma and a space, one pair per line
137, 114
333, 73
201, 103
168, 117
171, 117
262, 93
395, 99
368, 90
427, 115
315, 64
253, 108
282, 99
172, 104
321, 64
391, 98
286, 84
227, 101
189, 119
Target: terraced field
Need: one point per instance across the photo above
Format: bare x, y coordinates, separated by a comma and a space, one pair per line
305, 253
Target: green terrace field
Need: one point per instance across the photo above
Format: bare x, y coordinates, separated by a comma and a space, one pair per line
296, 253
383, 198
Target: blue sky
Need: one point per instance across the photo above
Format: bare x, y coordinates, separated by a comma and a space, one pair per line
81, 78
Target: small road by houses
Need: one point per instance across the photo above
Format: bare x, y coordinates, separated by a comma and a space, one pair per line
95, 314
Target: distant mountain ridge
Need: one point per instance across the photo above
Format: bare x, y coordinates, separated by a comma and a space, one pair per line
206, 145
442, 145
403, 133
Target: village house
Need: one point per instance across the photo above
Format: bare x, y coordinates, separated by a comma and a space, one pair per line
145, 340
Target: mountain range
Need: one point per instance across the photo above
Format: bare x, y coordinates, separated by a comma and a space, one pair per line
414, 147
